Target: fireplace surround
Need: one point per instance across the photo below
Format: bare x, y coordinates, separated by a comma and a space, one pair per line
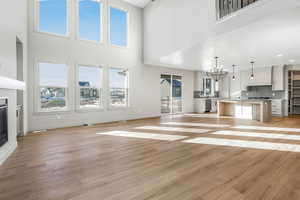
3, 121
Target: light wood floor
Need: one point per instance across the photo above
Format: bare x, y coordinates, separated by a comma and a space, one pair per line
77, 164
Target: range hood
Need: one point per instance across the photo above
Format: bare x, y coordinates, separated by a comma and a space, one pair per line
11, 84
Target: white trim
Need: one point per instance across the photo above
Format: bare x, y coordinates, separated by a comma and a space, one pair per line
10, 148
77, 90
37, 20
101, 42
110, 5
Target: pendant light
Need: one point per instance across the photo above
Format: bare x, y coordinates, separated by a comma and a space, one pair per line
233, 69
252, 71
217, 72
217, 78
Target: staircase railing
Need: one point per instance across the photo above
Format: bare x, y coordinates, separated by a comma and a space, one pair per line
226, 7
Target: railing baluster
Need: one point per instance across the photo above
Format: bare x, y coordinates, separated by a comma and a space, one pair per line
226, 7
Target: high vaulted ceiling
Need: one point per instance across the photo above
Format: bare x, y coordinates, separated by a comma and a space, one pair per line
187, 36
139, 3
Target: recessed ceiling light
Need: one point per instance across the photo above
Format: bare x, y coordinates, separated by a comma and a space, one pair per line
279, 55
291, 61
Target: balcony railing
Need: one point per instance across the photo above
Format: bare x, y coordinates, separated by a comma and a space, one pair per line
226, 7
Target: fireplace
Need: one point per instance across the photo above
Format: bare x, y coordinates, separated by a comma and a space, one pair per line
3, 122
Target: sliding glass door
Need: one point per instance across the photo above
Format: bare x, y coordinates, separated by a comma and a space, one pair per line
171, 94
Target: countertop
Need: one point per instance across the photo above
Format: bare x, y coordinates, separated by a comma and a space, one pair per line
251, 101
203, 98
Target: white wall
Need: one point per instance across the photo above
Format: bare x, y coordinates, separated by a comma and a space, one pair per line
13, 23
174, 26
187, 35
144, 80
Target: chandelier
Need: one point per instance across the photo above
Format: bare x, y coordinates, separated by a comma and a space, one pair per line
216, 72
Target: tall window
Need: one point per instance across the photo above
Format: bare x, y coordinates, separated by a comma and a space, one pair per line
90, 87
90, 20
119, 87
53, 85
52, 16
118, 27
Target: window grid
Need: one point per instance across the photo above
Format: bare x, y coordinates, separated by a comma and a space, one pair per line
52, 97
126, 32
100, 34
38, 20
119, 95
103, 29
90, 97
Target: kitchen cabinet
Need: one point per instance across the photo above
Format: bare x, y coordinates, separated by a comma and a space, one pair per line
278, 78
198, 81
200, 105
246, 109
277, 107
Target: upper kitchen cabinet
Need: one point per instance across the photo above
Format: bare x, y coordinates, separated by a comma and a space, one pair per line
278, 78
198, 81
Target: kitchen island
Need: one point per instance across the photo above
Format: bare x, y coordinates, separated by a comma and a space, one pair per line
260, 110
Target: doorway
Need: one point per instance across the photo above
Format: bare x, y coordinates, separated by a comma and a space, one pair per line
171, 94
20, 93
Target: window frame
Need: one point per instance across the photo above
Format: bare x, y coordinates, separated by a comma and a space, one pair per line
37, 95
127, 26
111, 107
37, 20
77, 88
213, 86
101, 2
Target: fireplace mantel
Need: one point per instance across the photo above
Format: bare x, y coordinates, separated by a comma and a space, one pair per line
11, 84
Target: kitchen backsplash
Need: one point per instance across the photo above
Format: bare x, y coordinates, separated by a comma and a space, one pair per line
200, 94
260, 91
263, 91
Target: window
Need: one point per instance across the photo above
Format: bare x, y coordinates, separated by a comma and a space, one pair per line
118, 87
118, 27
90, 20
52, 16
210, 86
53, 85
90, 87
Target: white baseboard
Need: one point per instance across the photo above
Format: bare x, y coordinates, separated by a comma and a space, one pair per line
7, 152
